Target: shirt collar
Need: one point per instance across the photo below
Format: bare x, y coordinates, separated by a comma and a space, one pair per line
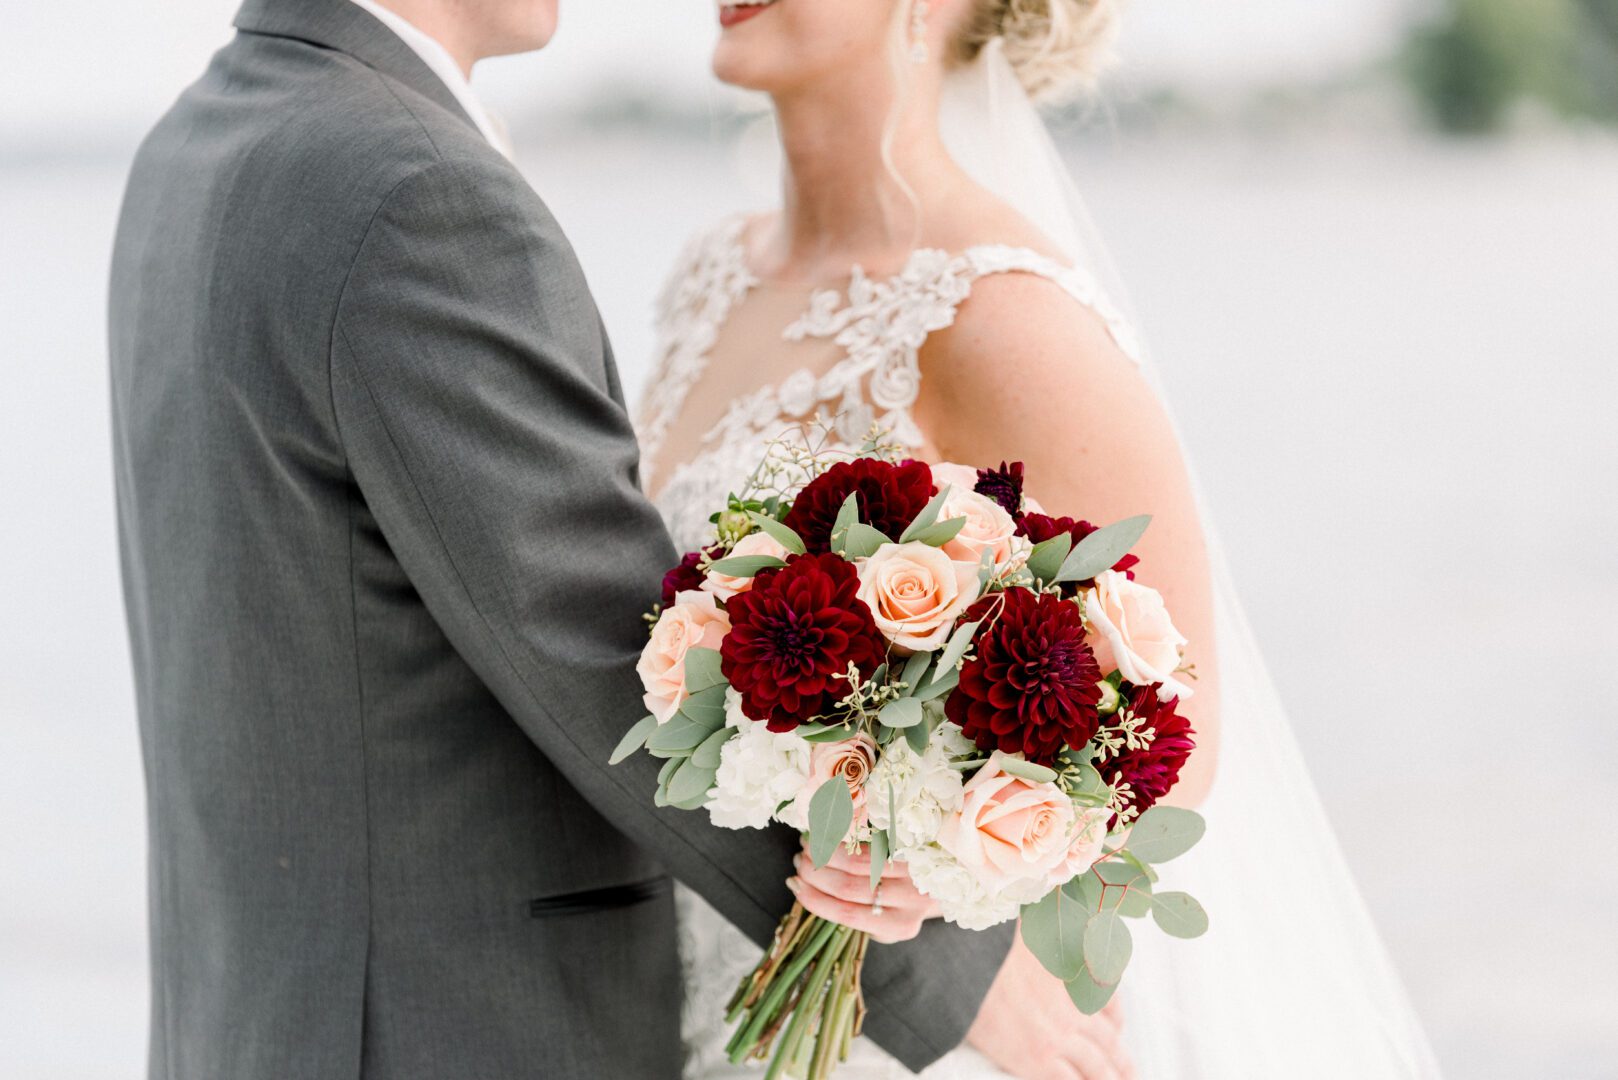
443, 65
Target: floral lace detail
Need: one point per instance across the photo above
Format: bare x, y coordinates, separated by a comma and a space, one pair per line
880, 325
710, 277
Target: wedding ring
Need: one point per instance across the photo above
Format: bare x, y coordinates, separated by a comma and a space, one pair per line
876, 900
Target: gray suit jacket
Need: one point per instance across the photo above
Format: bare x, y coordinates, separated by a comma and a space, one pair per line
384, 560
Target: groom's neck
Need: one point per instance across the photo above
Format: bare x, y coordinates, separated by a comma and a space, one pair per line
447, 23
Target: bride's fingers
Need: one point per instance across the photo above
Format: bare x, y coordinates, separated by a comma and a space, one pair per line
891, 926
859, 863
1091, 1061
857, 888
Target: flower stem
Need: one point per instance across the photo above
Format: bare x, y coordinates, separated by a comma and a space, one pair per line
809, 1005
746, 1038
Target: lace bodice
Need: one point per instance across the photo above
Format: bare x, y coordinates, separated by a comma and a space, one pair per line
878, 328
877, 325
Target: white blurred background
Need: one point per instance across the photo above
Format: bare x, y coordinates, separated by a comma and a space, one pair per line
1376, 247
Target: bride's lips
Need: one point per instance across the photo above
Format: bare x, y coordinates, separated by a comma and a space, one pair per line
736, 12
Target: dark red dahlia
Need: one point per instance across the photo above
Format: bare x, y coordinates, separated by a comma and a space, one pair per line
890, 497
1033, 684
1153, 769
1039, 528
793, 634
686, 576
1003, 485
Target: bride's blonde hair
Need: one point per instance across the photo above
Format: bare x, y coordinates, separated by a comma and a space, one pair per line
1058, 47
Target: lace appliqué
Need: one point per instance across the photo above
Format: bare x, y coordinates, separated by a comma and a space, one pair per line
711, 277
880, 325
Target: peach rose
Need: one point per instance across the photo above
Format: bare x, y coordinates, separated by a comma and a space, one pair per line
915, 593
723, 586
988, 526
693, 621
850, 760
1009, 830
1132, 634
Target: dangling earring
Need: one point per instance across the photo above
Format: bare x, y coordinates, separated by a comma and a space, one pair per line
918, 32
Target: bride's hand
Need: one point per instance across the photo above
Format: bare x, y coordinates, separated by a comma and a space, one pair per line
841, 891
1030, 1028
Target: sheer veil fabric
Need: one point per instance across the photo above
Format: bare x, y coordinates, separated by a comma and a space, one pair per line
1292, 979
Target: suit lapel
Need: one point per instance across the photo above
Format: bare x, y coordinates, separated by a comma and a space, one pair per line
348, 28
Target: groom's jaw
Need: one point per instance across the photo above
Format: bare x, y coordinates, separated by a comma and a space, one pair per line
735, 12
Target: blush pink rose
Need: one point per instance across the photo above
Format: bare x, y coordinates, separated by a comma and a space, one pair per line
724, 586
1009, 830
694, 621
850, 760
1131, 633
915, 593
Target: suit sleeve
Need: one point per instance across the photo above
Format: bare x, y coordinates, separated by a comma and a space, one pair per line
470, 383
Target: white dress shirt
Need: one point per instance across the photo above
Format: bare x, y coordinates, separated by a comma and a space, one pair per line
436, 57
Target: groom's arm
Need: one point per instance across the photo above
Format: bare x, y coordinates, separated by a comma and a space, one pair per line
468, 385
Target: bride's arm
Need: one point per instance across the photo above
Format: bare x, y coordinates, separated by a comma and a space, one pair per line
1027, 373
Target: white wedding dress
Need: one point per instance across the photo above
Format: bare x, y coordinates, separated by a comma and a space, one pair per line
1292, 981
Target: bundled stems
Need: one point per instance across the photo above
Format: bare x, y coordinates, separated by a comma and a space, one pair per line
803, 1001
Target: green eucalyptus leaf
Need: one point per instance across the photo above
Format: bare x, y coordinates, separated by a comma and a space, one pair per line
778, 532
879, 857
660, 797
940, 534
917, 737
904, 712
831, 812
1102, 548
746, 566
831, 734
689, 787
1179, 914
706, 707
915, 668
1107, 947
959, 642
633, 739
847, 515
678, 738
1032, 771
1053, 930
862, 541
1090, 996
702, 670
943, 681
706, 756
1165, 832
925, 519
1046, 558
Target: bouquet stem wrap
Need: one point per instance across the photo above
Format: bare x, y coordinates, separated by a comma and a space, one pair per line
803, 1001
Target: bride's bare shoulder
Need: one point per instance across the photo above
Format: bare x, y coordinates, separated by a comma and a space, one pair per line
1027, 328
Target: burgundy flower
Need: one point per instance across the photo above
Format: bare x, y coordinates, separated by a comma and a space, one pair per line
890, 497
1152, 770
1003, 485
1039, 528
686, 576
1033, 684
793, 634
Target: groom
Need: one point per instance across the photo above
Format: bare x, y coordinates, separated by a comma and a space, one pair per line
384, 558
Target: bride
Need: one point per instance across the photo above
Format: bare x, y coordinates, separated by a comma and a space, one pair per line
930, 270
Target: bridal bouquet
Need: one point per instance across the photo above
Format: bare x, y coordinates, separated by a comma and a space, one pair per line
918, 660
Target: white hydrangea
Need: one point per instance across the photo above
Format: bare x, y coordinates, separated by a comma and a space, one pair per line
924, 787
759, 769
962, 899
